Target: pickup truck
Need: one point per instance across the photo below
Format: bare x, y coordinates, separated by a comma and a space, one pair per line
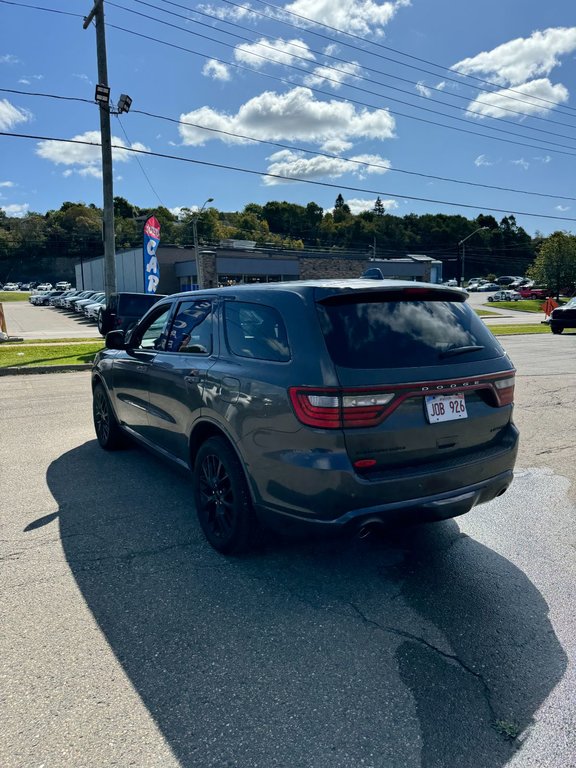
533, 293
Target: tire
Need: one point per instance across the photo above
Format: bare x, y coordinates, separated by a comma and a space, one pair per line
100, 323
556, 328
222, 499
108, 431
490, 298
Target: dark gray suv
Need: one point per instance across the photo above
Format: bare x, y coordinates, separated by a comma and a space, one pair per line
332, 404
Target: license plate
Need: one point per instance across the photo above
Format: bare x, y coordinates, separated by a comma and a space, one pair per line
445, 407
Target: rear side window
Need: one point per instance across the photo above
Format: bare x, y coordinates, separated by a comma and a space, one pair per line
191, 329
253, 330
382, 331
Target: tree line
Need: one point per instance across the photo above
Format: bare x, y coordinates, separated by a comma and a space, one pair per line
74, 231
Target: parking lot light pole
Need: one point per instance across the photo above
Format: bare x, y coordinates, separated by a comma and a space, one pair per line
199, 265
463, 256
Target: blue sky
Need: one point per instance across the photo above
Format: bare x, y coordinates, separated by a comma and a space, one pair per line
372, 98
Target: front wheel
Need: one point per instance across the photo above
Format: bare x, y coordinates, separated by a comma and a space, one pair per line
106, 425
556, 328
223, 503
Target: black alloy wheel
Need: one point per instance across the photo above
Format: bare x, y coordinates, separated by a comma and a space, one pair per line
107, 429
557, 328
223, 503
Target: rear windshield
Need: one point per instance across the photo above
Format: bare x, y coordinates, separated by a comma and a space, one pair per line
134, 305
380, 331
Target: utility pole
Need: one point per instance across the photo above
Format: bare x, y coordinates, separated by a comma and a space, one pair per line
97, 13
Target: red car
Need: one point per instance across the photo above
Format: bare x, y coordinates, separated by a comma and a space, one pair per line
533, 293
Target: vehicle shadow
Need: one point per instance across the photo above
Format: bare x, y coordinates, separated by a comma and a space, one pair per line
424, 649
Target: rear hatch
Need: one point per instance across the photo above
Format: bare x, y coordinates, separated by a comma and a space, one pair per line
421, 378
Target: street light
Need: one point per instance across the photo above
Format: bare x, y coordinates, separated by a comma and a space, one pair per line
463, 259
199, 264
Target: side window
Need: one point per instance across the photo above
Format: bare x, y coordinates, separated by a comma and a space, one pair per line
191, 329
255, 331
150, 336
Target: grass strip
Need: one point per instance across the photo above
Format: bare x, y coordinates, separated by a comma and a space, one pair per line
485, 313
48, 354
526, 305
6, 296
515, 330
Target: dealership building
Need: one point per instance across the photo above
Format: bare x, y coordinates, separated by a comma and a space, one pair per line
241, 261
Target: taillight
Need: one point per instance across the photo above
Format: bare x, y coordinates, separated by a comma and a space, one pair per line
505, 390
334, 408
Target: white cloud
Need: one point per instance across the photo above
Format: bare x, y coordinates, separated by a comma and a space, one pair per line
17, 210
216, 70
11, 115
336, 146
423, 90
482, 160
86, 156
333, 75
238, 13
8, 58
28, 78
545, 159
289, 164
521, 163
518, 60
562, 208
90, 170
361, 17
7, 184
530, 94
295, 115
358, 205
258, 55
441, 86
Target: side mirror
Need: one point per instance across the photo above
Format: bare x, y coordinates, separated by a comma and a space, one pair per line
115, 340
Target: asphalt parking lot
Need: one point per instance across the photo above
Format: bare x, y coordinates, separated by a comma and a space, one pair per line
127, 641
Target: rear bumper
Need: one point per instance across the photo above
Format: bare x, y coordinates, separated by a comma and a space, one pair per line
560, 322
337, 499
442, 506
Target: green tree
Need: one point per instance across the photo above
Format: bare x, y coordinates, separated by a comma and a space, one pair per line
555, 264
379, 209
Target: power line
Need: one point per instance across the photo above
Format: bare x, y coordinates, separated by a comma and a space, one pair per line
348, 85
552, 148
41, 8
140, 164
291, 147
554, 107
351, 101
364, 67
254, 172
335, 69
378, 45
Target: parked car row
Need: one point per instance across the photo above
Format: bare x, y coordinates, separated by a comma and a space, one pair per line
125, 308
61, 285
86, 303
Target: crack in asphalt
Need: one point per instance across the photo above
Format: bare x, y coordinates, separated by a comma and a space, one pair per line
421, 641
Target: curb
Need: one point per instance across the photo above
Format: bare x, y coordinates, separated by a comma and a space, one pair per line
20, 371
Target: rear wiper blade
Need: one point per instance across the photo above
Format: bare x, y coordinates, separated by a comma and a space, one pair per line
460, 350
